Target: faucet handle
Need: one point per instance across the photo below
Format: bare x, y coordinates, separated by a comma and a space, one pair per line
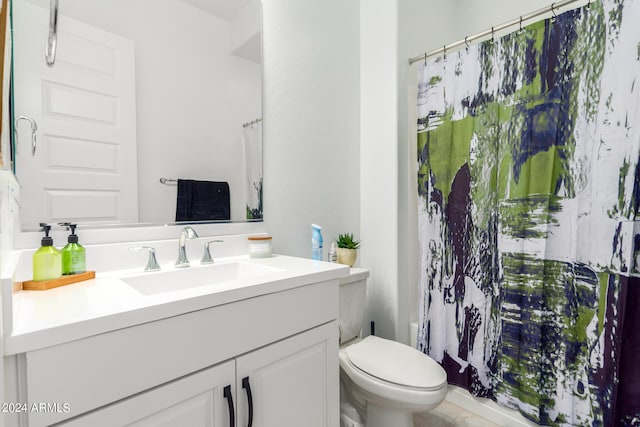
152, 263
206, 255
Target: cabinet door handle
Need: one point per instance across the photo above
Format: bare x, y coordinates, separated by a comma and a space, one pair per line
232, 412
247, 387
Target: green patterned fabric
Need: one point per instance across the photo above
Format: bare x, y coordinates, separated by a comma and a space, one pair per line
529, 225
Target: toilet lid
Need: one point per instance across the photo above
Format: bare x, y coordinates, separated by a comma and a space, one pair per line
396, 363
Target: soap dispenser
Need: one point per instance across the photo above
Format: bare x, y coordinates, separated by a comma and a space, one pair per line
47, 261
73, 254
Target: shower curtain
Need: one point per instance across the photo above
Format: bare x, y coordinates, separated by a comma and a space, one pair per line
529, 222
252, 141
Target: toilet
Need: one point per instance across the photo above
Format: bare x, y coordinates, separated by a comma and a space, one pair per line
382, 382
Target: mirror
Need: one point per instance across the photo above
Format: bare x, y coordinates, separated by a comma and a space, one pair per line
151, 113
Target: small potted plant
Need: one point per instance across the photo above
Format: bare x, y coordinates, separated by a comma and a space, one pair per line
347, 249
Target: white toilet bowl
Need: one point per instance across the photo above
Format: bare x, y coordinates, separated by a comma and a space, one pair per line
391, 380
384, 382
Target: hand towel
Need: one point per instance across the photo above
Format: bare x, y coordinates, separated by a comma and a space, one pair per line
202, 200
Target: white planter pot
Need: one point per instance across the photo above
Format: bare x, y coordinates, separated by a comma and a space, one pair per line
347, 256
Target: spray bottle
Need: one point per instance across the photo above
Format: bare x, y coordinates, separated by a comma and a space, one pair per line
316, 242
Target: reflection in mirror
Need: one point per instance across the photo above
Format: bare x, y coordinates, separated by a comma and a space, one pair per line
5, 64
150, 114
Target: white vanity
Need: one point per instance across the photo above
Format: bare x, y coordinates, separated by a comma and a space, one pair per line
256, 345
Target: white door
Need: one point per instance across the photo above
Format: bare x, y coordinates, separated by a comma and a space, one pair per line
197, 400
85, 166
291, 383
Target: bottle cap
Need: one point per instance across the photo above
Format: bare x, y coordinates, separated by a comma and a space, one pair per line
73, 238
46, 240
259, 238
316, 233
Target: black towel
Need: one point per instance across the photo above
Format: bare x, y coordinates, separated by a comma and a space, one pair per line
202, 200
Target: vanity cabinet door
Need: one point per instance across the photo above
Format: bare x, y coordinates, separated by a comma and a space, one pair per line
198, 400
291, 383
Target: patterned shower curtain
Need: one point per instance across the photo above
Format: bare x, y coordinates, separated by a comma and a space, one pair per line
529, 221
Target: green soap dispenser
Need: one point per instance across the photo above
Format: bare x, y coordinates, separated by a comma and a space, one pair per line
73, 254
47, 261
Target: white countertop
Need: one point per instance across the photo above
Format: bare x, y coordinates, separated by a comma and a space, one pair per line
106, 303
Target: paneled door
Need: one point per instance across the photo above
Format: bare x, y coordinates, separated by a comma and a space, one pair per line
291, 383
84, 168
203, 399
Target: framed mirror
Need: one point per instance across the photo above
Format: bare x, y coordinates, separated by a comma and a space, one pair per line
150, 114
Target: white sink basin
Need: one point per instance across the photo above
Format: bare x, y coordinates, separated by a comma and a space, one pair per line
193, 277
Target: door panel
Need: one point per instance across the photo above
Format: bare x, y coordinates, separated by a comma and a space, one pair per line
195, 401
293, 382
84, 106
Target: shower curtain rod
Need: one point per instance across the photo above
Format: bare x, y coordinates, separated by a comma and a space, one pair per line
252, 122
491, 32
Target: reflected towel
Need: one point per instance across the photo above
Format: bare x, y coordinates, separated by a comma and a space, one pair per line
202, 200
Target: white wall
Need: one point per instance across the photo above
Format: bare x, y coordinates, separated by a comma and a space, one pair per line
192, 96
391, 31
245, 38
311, 127
378, 157
472, 17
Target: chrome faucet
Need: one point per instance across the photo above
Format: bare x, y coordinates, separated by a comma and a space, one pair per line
152, 263
186, 234
206, 254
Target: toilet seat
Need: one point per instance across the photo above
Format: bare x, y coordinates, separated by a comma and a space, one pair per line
396, 363
373, 373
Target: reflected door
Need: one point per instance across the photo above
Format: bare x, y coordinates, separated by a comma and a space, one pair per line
84, 167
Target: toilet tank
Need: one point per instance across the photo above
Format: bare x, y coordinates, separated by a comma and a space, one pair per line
353, 294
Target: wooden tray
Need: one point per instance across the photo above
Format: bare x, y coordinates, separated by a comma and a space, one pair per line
43, 285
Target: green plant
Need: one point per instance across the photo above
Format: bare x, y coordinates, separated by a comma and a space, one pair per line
346, 241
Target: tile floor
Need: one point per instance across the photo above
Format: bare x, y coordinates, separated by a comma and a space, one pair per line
450, 415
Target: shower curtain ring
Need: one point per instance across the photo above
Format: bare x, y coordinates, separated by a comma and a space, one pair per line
466, 42
425, 58
493, 35
521, 24
553, 11
589, 5
444, 52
